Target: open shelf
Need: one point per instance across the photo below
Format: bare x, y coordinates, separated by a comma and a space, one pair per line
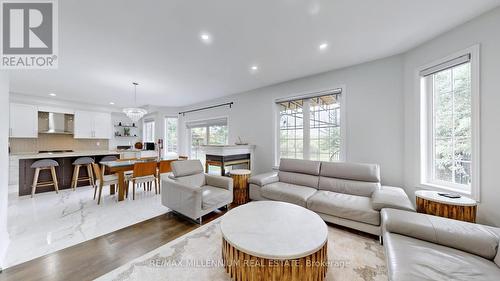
126, 126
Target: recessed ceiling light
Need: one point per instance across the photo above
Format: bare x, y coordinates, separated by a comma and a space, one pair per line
254, 68
112, 103
323, 46
206, 38
52, 94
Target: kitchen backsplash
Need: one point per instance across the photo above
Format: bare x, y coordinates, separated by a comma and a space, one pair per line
56, 142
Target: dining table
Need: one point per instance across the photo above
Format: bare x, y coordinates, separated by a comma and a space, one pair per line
121, 166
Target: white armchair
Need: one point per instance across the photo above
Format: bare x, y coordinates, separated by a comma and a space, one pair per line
192, 193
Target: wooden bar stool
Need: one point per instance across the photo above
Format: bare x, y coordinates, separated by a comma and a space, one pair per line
78, 163
45, 164
106, 159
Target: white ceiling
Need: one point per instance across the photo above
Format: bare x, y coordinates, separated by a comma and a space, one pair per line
105, 45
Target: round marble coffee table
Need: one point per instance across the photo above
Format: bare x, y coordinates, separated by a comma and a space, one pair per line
269, 240
430, 202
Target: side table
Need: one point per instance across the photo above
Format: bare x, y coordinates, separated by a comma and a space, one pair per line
430, 202
240, 186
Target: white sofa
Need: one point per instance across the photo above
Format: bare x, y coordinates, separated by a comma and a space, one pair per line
192, 193
347, 194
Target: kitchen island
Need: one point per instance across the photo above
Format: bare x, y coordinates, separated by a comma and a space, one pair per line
64, 171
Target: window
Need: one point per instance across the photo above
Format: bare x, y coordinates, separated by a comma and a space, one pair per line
149, 131
208, 132
324, 129
310, 127
451, 136
292, 129
170, 134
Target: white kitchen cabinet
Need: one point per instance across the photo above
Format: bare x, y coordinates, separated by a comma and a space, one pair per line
13, 171
129, 154
83, 125
148, 153
23, 121
92, 125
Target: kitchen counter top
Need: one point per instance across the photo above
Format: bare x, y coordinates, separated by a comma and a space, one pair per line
34, 155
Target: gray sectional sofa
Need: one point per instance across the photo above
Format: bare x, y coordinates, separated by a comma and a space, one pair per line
346, 194
424, 247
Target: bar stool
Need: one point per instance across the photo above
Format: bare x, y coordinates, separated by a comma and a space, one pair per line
78, 163
106, 159
40, 165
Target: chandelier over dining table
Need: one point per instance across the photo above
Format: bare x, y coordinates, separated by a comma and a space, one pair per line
135, 113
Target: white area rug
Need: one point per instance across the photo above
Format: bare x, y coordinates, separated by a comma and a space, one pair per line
197, 256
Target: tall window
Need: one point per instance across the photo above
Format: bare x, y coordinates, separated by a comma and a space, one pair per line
292, 129
310, 127
149, 131
324, 127
207, 132
170, 134
450, 128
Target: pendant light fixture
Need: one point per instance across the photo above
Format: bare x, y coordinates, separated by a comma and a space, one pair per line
135, 113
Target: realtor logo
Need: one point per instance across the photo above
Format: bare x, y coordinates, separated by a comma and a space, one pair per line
29, 34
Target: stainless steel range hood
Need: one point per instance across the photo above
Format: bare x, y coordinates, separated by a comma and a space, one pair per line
55, 123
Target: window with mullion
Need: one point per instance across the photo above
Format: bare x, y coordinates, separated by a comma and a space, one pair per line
310, 128
452, 130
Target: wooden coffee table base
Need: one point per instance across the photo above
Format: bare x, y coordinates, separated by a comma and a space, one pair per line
245, 267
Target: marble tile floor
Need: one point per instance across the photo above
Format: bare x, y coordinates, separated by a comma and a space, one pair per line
50, 222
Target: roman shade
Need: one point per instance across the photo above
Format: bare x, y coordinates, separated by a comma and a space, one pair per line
207, 123
447, 64
310, 95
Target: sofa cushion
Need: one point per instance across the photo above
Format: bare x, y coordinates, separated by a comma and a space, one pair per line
197, 180
351, 171
414, 259
300, 166
359, 188
473, 238
286, 192
264, 179
212, 197
186, 168
391, 197
352, 207
299, 179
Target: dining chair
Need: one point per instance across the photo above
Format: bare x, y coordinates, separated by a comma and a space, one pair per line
102, 180
144, 173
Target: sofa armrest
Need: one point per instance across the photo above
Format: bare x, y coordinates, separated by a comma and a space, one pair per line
473, 238
391, 197
219, 181
264, 179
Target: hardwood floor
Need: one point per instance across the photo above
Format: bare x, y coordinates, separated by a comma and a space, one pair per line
93, 258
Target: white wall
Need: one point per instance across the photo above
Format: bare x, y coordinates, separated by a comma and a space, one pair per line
482, 30
116, 118
4, 162
374, 110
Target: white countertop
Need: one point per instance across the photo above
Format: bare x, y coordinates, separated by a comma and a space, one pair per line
434, 196
274, 230
34, 155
